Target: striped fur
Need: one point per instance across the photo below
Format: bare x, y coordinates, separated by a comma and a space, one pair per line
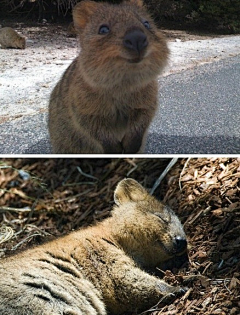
99, 269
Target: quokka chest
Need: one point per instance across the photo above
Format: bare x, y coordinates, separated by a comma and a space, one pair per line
119, 122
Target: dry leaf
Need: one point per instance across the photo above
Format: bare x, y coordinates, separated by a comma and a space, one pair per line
18, 192
217, 212
234, 283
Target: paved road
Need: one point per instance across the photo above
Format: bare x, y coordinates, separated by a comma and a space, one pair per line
199, 111
199, 114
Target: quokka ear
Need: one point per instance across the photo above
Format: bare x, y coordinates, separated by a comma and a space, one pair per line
129, 190
138, 3
82, 13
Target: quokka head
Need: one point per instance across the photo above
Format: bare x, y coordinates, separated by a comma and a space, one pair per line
118, 39
20, 42
150, 232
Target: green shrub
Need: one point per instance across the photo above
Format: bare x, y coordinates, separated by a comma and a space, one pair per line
220, 15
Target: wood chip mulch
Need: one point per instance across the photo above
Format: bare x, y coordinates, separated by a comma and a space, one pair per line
44, 198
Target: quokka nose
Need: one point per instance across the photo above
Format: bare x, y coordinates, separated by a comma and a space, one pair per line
180, 244
135, 40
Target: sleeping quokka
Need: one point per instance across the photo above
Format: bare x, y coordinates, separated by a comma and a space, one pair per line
99, 269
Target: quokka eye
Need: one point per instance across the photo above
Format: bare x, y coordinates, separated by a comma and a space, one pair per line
103, 29
146, 24
162, 217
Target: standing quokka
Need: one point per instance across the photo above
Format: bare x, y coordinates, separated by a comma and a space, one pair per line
108, 96
99, 269
9, 38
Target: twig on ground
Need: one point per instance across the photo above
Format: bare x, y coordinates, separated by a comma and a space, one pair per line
85, 174
5, 209
164, 173
6, 233
184, 167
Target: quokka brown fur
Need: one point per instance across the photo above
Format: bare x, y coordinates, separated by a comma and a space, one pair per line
71, 32
98, 269
107, 98
9, 38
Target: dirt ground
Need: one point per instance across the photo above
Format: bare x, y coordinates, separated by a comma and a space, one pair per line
46, 43
41, 38
41, 199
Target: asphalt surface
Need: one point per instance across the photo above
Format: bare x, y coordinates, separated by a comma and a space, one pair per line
199, 113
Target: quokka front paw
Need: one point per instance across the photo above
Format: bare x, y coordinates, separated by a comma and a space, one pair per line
170, 292
176, 291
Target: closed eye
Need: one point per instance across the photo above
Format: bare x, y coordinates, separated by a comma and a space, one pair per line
162, 217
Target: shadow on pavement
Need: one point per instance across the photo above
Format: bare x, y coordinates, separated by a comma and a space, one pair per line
165, 144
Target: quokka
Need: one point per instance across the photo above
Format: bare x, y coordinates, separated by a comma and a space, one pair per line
9, 38
99, 269
108, 96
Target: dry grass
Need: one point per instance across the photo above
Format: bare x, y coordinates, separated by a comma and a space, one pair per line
44, 198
